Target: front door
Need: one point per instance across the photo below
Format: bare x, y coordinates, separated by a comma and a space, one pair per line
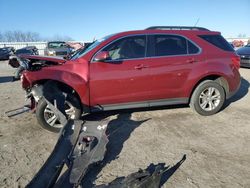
123, 79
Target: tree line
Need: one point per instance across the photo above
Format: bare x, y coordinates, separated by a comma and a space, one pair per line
21, 36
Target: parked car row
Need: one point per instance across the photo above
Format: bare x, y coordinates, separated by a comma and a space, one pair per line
6, 52
53, 48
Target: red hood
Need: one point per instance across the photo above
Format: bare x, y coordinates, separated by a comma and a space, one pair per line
45, 58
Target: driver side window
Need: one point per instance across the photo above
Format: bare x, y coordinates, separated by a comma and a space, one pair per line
127, 48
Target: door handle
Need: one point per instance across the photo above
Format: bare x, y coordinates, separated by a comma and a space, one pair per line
141, 66
191, 60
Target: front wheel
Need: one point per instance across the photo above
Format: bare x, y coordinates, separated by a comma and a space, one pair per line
208, 98
48, 120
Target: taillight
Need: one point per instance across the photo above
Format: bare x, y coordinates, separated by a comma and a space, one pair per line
236, 61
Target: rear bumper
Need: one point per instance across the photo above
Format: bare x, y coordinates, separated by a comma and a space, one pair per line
232, 93
245, 62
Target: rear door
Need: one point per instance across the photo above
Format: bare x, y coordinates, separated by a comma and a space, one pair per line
172, 59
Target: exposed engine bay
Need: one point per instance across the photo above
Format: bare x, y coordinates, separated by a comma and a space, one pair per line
33, 63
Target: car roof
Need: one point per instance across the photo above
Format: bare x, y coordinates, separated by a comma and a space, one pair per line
168, 31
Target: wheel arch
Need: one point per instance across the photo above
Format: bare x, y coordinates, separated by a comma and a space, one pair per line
214, 77
65, 88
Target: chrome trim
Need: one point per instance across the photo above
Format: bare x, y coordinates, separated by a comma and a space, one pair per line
199, 52
142, 104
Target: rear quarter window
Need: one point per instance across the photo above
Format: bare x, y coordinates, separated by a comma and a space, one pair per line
192, 49
218, 41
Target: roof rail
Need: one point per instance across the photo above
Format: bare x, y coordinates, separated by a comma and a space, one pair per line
177, 28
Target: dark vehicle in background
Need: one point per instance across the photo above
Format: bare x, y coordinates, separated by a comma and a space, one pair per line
6, 52
57, 48
29, 50
244, 54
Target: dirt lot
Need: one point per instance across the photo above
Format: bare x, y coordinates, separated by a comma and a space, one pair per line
217, 147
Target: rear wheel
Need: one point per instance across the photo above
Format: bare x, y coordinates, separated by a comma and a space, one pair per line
48, 120
208, 98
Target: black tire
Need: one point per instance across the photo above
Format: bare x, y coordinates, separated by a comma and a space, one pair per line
42, 105
197, 100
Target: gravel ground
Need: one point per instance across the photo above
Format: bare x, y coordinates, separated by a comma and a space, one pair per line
217, 148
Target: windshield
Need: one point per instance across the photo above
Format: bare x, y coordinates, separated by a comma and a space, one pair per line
56, 44
82, 52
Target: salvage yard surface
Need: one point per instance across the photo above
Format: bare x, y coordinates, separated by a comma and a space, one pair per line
217, 148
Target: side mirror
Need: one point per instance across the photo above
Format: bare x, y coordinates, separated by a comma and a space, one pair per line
101, 56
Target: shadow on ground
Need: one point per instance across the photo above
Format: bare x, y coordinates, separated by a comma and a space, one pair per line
242, 92
118, 131
4, 79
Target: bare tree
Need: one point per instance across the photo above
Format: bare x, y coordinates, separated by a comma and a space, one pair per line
1, 37
241, 35
20, 36
8, 36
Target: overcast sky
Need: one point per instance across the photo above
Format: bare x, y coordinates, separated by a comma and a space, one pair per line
84, 20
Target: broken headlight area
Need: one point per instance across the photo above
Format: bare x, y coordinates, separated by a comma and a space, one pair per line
35, 92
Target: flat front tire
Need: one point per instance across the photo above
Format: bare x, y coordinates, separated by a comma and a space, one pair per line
208, 98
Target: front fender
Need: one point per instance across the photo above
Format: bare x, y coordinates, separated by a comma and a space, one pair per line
63, 74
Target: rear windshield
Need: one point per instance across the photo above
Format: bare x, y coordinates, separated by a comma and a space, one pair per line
218, 41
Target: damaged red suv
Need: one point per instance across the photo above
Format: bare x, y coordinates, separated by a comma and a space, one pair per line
157, 66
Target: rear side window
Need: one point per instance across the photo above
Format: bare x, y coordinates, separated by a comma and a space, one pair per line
218, 41
192, 49
169, 45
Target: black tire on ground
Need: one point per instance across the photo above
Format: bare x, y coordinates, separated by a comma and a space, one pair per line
41, 106
195, 102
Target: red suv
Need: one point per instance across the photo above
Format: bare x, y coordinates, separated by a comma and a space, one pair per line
152, 67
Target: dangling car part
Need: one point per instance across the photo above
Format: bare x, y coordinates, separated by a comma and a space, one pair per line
140, 179
45, 116
17, 111
79, 145
19, 63
152, 177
